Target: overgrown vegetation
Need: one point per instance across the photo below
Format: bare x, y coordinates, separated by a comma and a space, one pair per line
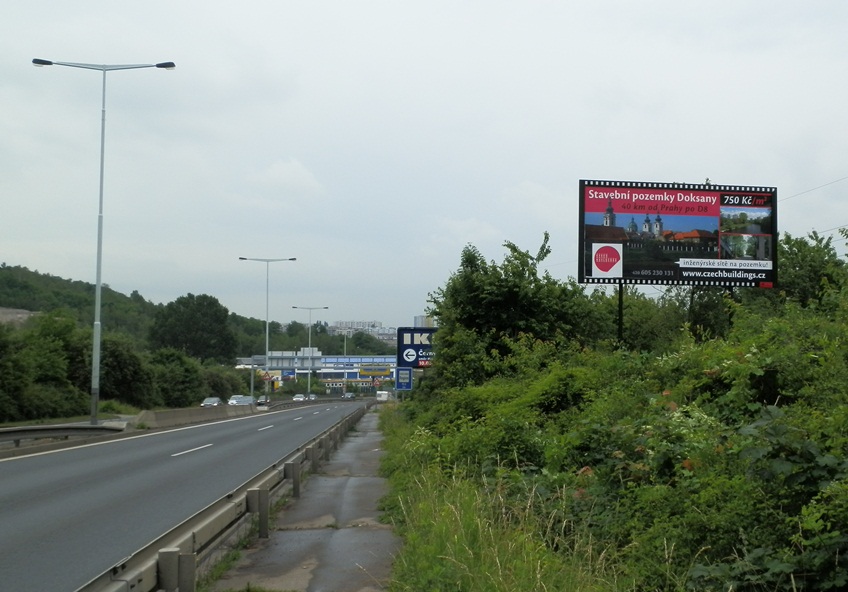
708, 451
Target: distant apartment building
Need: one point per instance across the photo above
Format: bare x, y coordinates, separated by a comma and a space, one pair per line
375, 328
423, 321
350, 327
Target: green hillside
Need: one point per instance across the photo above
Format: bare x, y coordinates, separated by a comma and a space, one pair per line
29, 290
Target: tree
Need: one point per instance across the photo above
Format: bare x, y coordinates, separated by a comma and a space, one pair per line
707, 309
650, 324
61, 328
809, 268
363, 343
224, 381
809, 272
178, 378
17, 373
483, 306
197, 326
125, 374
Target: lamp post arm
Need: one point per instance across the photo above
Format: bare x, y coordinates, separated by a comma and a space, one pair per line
267, 261
103, 67
95, 348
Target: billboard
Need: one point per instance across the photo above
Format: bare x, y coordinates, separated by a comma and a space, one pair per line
415, 349
634, 232
374, 370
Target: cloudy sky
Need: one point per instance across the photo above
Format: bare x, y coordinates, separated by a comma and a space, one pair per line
373, 139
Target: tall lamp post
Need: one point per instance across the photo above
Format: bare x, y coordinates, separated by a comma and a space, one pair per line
309, 375
268, 263
95, 351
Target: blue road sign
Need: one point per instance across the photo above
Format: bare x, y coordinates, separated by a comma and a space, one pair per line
403, 379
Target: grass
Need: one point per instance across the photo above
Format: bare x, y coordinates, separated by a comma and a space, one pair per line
458, 537
463, 535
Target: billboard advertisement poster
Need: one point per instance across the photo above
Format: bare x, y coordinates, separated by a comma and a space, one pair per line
415, 348
374, 370
634, 232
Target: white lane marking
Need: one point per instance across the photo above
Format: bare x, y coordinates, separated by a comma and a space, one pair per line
192, 450
265, 428
297, 419
315, 412
145, 435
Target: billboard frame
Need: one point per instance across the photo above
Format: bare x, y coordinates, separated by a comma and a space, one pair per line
717, 235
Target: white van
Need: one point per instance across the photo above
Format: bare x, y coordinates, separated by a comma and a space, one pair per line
382, 395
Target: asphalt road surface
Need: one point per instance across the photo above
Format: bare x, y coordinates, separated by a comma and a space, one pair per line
70, 515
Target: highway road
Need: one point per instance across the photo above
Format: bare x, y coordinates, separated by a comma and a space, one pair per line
70, 515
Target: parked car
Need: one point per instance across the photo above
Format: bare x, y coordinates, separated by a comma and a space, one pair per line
211, 402
263, 400
299, 397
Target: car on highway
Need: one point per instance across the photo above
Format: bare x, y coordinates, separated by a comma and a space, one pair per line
211, 402
312, 396
349, 396
299, 397
242, 400
263, 400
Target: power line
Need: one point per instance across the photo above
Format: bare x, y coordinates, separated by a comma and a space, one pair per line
834, 228
813, 189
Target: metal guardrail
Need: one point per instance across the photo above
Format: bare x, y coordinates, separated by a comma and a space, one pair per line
59, 431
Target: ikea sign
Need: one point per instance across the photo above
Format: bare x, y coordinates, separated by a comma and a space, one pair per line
415, 349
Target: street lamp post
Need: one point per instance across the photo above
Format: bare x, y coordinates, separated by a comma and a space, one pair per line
95, 350
268, 263
309, 375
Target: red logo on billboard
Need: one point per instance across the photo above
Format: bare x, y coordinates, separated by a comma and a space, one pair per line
606, 258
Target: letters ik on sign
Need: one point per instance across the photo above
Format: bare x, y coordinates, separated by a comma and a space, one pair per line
416, 338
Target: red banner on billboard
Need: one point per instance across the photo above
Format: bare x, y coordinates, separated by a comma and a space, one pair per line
676, 233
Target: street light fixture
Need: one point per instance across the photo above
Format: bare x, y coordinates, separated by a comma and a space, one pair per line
268, 263
309, 375
95, 350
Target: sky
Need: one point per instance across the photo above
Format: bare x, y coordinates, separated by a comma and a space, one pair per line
374, 139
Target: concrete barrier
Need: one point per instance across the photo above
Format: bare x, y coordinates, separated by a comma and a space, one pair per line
169, 418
